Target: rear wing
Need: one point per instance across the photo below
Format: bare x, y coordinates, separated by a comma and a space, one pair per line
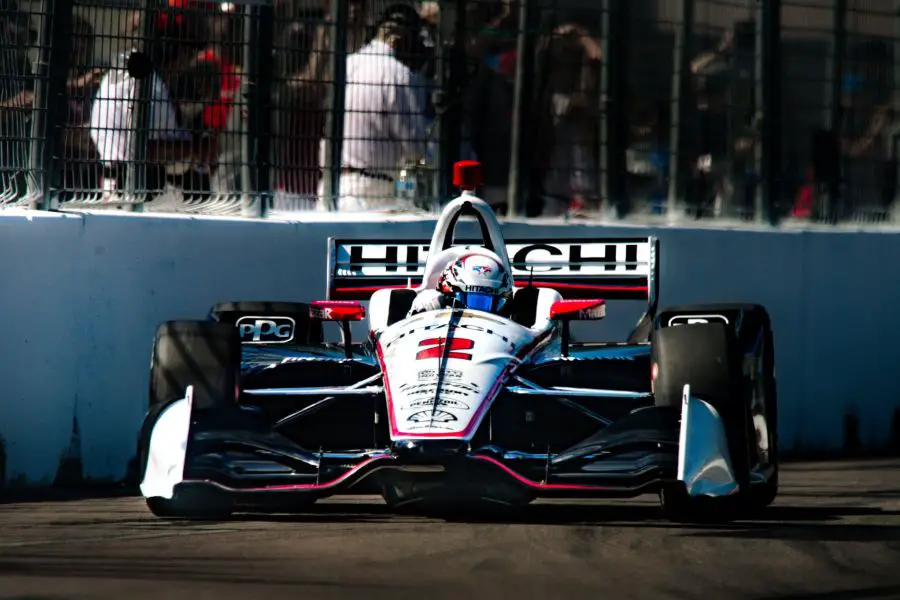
610, 268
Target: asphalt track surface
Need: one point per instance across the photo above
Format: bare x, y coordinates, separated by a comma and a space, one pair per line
833, 533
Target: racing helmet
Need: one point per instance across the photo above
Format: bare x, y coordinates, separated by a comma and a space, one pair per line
477, 281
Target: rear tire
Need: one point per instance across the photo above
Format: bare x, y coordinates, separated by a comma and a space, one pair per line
203, 354
207, 356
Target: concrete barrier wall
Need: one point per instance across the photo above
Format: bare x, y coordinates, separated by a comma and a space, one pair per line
83, 293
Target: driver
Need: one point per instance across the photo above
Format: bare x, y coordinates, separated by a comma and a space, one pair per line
474, 281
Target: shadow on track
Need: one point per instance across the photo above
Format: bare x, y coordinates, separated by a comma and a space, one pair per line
800, 532
41, 495
869, 593
790, 522
35, 598
179, 568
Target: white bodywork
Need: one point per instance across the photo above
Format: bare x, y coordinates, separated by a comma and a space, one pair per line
704, 462
443, 370
168, 449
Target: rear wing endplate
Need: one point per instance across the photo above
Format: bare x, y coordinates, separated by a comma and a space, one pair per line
610, 268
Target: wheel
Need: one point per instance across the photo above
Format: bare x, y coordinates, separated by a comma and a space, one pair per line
761, 495
398, 504
202, 354
192, 504
710, 356
207, 356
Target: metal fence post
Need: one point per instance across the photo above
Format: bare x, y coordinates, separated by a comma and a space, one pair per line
894, 131
523, 103
334, 122
681, 96
249, 207
258, 52
51, 71
613, 125
833, 198
451, 73
452, 116
439, 104
768, 101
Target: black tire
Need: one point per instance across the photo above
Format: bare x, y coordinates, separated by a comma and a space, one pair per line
203, 354
306, 330
706, 357
195, 505
710, 358
397, 504
207, 356
762, 495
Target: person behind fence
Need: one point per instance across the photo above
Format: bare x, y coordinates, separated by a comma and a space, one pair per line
868, 133
226, 115
724, 126
489, 95
384, 113
194, 89
173, 152
568, 118
303, 60
80, 170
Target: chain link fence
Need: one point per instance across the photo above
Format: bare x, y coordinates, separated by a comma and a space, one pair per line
839, 98
737, 111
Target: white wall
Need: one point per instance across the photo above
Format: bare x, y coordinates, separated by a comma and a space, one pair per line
83, 293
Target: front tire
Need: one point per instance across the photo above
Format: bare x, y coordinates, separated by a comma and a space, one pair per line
192, 505
207, 356
711, 358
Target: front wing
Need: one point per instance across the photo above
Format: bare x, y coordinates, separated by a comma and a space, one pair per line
239, 453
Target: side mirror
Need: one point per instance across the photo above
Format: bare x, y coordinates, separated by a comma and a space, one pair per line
578, 310
337, 310
342, 312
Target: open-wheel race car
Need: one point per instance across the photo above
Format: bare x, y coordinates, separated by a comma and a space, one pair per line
252, 410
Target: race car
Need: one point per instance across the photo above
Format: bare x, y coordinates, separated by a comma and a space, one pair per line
252, 409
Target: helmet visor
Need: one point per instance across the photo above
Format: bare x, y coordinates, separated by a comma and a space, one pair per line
477, 301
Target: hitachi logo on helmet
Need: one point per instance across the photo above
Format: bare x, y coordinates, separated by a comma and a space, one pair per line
478, 289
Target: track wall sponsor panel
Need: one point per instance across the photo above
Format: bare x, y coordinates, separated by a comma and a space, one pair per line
83, 293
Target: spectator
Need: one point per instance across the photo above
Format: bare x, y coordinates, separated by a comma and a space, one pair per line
82, 166
865, 132
194, 90
725, 126
226, 116
223, 118
489, 98
224, 59
384, 120
569, 122
173, 148
304, 73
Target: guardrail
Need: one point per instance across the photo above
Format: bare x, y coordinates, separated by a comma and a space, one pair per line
85, 292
